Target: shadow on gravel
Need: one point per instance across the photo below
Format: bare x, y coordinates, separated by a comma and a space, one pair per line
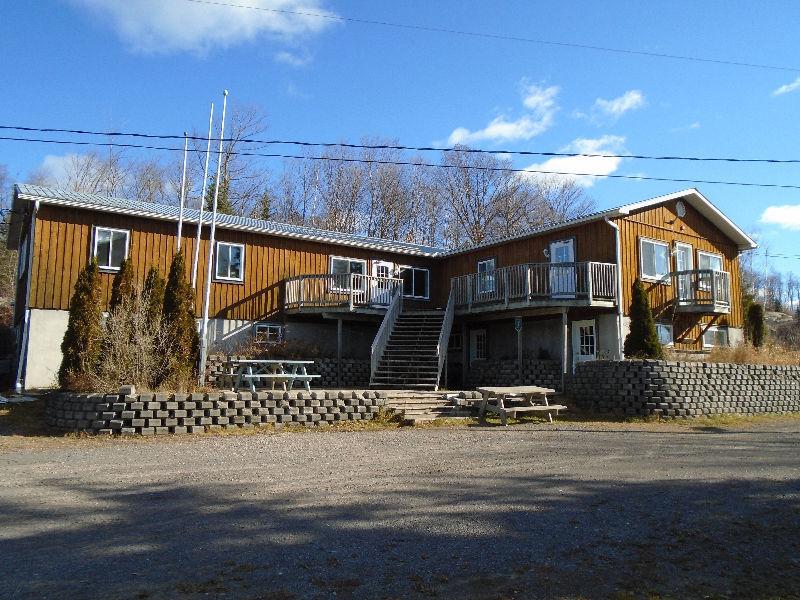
478, 537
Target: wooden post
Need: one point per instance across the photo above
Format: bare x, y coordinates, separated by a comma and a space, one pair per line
589, 277
519, 356
351, 291
339, 353
469, 293
528, 283
464, 354
505, 286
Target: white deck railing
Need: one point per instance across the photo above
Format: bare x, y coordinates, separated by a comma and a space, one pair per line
702, 287
537, 282
343, 290
385, 331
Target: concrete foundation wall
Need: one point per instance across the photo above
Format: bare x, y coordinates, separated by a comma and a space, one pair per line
45, 333
684, 389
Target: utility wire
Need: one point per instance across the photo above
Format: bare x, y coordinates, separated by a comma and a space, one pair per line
411, 163
276, 142
498, 36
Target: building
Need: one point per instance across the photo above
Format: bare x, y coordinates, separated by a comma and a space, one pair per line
559, 292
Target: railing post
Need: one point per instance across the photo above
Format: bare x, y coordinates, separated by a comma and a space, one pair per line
299, 284
528, 283
469, 292
505, 285
713, 288
351, 291
589, 278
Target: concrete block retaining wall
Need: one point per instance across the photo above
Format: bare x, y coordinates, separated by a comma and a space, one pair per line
151, 414
684, 389
544, 373
355, 372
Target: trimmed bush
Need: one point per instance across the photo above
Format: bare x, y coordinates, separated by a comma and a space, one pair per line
642, 341
83, 339
153, 295
180, 324
123, 286
755, 324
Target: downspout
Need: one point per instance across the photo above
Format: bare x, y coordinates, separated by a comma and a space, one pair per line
22, 351
618, 260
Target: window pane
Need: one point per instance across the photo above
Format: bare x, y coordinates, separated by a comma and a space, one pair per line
223, 260
340, 266
119, 240
421, 283
664, 334
103, 253
407, 275
235, 268
357, 267
648, 260
662, 260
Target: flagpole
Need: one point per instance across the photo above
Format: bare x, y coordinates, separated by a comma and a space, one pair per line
183, 187
202, 202
206, 301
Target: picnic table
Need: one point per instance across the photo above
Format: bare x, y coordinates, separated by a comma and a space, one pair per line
510, 400
263, 371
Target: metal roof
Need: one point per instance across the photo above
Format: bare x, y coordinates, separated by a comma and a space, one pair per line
168, 212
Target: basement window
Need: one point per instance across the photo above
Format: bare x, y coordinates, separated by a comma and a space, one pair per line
715, 336
110, 247
230, 262
268, 334
664, 331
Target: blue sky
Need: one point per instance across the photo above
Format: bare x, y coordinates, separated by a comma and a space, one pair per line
153, 65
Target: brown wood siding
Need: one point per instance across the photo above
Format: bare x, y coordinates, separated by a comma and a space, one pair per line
63, 246
594, 241
662, 223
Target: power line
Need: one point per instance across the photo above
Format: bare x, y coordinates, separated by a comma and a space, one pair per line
498, 36
276, 142
412, 163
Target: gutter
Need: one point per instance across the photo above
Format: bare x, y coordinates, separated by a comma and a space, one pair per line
617, 254
22, 350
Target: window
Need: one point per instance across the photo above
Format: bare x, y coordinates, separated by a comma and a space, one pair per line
486, 275
230, 261
715, 336
342, 267
268, 333
110, 247
707, 260
416, 282
664, 331
456, 342
654, 258
477, 346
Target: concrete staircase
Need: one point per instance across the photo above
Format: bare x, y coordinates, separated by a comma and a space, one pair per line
419, 406
409, 360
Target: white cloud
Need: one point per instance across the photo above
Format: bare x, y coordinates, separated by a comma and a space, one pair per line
56, 169
786, 216
293, 59
160, 26
787, 88
542, 107
616, 107
585, 165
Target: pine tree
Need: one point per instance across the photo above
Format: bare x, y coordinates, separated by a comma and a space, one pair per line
642, 341
83, 338
224, 206
153, 295
123, 286
179, 319
755, 324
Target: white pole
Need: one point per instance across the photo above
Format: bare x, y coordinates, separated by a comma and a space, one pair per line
183, 186
202, 201
207, 295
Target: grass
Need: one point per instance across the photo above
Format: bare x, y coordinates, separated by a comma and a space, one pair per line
770, 354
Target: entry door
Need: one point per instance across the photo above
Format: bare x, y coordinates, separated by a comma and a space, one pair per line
584, 341
381, 286
562, 269
684, 261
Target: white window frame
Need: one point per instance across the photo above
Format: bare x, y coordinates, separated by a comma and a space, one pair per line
715, 329
487, 283
96, 229
473, 348
703, 282
413, 269
670, 328
217, 276
663, 279
336, 288
268, 326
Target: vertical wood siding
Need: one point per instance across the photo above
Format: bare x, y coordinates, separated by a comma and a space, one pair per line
63, 247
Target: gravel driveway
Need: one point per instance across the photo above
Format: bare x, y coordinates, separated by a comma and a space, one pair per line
527, 511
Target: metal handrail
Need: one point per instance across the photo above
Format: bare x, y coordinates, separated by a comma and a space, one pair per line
385, 330
444, 334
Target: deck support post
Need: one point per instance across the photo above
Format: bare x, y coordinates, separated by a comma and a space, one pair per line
589, 277
564, 349
469, 293
519, 356
528, 285
464, 353
505, 285
338, 353
351, 292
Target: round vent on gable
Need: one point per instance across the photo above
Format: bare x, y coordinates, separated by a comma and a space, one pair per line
680, 208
